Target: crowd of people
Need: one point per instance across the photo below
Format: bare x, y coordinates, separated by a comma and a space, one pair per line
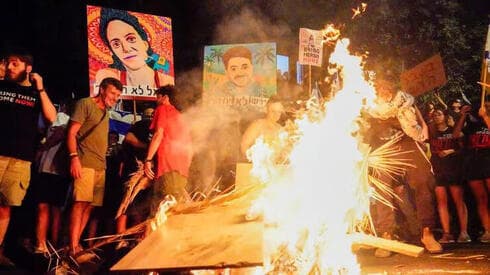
75, 163
78, 165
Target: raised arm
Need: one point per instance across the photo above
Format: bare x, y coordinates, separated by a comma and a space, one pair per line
438, 97
457, 131
47, 107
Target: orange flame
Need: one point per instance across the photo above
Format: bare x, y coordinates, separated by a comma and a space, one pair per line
310, 206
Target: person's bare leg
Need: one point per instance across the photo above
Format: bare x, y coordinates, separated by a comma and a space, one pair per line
457, 194
441, 196
121, 223
4, 221
55, 225
86, 217
42, 225
76, 221
92, 230
481, 197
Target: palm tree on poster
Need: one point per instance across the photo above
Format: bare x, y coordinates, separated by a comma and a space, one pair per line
217, 54
265, 54
208, 61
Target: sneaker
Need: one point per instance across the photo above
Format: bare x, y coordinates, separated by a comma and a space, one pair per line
447, 238
464, 238
485, 238
4, 261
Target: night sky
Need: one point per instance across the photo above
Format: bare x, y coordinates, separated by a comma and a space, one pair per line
54, 31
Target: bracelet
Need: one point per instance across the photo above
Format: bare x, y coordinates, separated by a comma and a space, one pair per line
147, 160
41, 90
73, 155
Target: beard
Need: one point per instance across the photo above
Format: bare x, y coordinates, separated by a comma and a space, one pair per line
19, 78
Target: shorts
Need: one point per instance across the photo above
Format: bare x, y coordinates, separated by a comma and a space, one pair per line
477, 164
171, 183
15, 175
448, 170
90, 187
51, 189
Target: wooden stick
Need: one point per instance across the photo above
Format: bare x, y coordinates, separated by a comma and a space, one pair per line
395, 246
484, 84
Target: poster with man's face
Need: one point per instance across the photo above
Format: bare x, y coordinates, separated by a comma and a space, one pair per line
242, 76
135, 48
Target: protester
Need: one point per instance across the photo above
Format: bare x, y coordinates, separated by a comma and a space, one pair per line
23, 97
171, 142
268, 128
87, 145
398, 109
477, 159
135, 146
446, 161
50, 186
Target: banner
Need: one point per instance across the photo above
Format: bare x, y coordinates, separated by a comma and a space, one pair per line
310, 47
242, 76
133, 47
424, 77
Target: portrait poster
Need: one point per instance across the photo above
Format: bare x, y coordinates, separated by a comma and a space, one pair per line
135, 48
241, 76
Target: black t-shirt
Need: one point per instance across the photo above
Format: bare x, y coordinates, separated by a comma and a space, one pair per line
444, 140
19, 113
141, 130
476, 133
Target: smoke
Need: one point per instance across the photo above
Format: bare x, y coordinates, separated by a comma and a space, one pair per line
217, 130
250, 25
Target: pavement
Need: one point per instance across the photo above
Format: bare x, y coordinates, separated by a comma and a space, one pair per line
471, 258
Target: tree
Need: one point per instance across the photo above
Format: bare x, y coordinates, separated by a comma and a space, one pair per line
405, 33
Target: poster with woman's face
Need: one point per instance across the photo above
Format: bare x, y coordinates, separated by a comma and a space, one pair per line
135, 48
242, 76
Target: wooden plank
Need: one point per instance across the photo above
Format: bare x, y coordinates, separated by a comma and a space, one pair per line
395, 246
215, 237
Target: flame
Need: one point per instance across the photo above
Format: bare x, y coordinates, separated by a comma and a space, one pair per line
161, 215
360, 9
311, 205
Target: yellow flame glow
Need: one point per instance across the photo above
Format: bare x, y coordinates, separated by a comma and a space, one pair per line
311, 206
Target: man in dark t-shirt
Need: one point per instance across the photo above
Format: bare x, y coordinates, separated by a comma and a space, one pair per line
22, 96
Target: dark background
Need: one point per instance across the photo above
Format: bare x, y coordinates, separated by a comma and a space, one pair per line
54, 31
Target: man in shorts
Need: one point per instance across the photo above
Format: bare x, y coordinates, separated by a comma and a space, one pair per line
87, 142
22, 97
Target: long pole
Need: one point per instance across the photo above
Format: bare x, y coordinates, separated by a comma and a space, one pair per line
309, 79
484, 81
